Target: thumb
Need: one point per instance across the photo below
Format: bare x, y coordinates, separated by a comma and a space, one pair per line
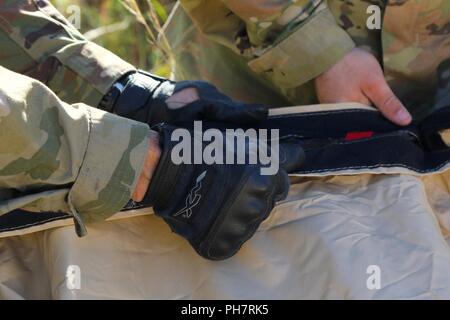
379, 92
292, 156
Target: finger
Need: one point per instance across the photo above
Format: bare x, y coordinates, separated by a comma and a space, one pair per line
291, 156
282, 186
379, 92
181, 98
237, 113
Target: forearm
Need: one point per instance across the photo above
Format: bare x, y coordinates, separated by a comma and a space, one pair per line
60, 157
304, 42
37, 40
287, 42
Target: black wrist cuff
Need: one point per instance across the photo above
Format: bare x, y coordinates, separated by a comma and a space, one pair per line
109, 99
139, 96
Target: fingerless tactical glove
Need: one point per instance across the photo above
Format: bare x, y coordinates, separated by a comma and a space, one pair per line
216, 207
142, 96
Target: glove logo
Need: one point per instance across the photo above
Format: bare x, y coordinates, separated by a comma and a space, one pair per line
193, 198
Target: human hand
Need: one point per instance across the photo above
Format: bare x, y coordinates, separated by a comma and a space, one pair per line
358, 77
150, 163
146, 98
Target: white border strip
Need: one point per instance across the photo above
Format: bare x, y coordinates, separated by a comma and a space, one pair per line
319, 108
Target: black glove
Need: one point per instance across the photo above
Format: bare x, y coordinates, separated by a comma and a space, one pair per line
141, 96
216, 207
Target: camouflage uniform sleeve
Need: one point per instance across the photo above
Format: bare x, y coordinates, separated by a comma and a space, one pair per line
38, 41
288, 41
56, 157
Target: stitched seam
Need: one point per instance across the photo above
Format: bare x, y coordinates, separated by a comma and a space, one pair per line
380, 165
88, 142
385, 135
35, 223
319, 113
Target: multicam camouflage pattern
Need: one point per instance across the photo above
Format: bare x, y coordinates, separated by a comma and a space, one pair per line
60, 157
273, 49
56, 157
274, 43
416, 46
38, 41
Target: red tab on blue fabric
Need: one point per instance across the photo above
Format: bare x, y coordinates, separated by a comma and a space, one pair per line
358, 135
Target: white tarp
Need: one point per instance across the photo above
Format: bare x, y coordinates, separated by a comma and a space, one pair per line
334, 237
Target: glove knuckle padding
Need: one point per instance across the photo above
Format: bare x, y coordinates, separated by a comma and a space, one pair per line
243, 215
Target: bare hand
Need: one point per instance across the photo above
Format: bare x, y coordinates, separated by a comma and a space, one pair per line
358, 77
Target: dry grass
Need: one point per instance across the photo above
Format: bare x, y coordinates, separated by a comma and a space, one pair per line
132, 29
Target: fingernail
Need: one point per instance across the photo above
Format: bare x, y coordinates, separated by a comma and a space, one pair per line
403, 116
